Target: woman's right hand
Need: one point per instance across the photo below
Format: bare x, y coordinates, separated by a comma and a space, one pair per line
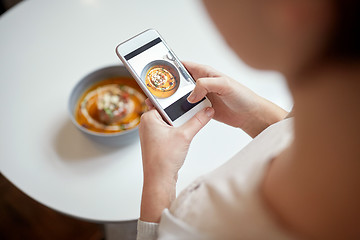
234, 104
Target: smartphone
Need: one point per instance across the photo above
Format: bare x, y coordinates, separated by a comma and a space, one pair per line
161, 76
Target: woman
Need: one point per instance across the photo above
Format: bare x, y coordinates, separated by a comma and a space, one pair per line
283, 185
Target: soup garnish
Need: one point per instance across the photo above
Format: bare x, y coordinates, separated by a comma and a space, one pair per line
112, 105
161, 81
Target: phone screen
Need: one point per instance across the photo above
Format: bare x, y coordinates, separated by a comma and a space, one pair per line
163, 76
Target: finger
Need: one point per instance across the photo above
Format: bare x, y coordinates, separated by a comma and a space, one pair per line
149, 104
193, 126
200, 71
208, 85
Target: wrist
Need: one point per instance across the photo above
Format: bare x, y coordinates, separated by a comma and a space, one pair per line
158, 194
159, 181
159, 175
265, 114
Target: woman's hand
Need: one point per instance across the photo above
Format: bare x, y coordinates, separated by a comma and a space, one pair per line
234, 104
164, 149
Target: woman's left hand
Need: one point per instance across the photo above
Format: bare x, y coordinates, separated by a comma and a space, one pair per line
164, 149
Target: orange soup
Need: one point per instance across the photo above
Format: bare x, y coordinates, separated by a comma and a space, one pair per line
161, 82
110, 106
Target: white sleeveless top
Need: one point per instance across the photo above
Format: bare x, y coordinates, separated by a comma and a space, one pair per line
226, 203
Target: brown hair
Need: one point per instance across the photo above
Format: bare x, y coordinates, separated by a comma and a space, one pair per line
346, 39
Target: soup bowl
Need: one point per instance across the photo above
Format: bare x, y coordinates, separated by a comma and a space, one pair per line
120, 138
172, 72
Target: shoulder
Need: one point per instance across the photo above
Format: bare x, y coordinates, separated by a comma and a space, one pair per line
314, 198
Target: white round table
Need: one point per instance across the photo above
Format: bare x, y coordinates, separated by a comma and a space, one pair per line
46, 47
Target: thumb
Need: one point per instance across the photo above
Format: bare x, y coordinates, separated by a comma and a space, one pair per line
205, 86
152, 117
197, 122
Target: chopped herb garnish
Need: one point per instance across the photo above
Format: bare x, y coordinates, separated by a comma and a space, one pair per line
109, 112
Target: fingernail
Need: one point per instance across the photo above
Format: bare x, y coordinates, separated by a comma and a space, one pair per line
209, 111
192, 97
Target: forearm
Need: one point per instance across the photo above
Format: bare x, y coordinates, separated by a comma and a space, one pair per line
163, 150
156, 196
265, 115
